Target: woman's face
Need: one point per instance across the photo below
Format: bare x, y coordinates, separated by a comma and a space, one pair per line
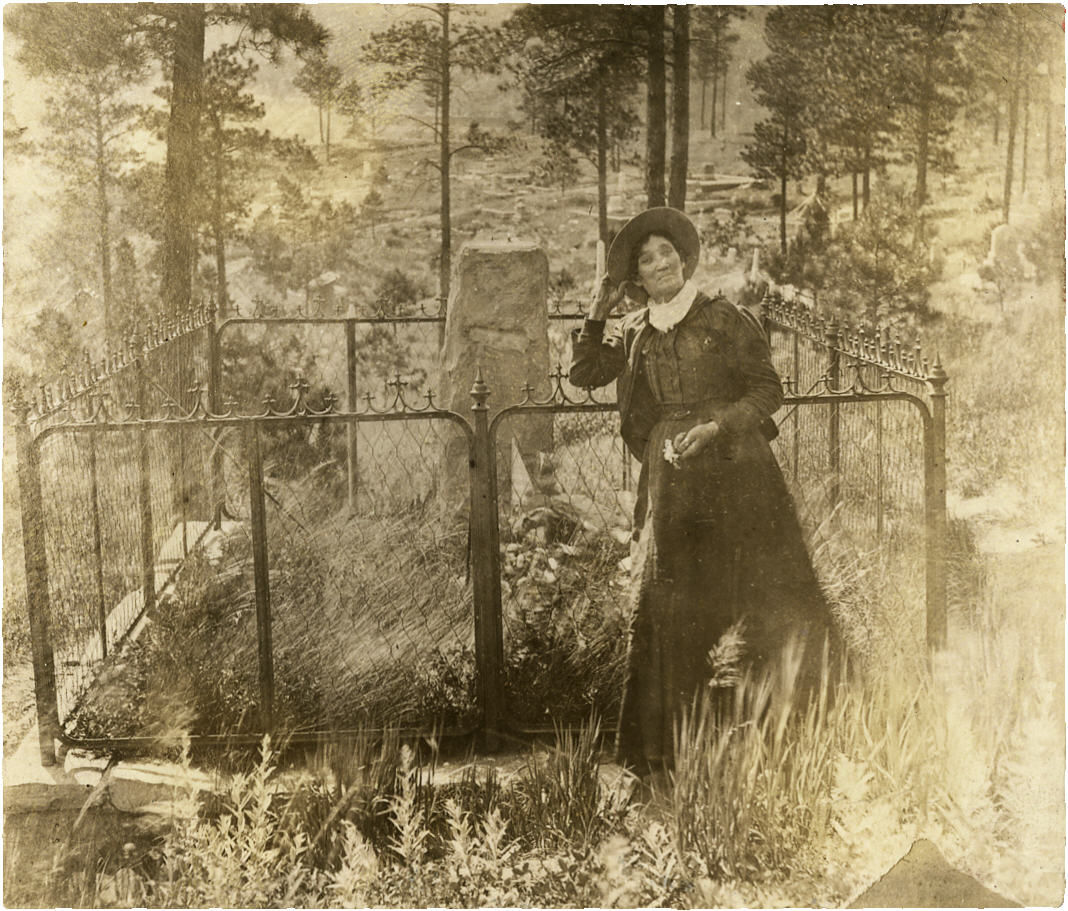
660, 268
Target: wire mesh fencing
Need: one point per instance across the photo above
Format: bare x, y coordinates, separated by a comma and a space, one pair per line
291, 612
853, 442
122, 506
349, 357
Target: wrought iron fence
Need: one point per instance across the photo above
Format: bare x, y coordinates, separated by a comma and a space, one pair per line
477, 575
288, 614
868, 466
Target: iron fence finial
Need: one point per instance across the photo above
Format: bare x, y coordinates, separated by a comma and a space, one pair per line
479, 391
937, 375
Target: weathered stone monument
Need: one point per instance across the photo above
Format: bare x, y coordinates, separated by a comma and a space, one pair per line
497, 321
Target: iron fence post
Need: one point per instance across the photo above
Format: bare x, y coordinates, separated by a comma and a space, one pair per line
98, 548
181, 490
218, 492
261, 571
834, 427
879, 480
37, 595
148, 555
352, 439
485, 569
935, 509
796, 417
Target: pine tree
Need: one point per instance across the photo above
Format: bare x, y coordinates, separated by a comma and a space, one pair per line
680, 100
265, 28
430, 53
655, 106
783, 85
350, 103
936, 76
90, 57
321, 81
576, 69
713, 41
857, 100
1002, 45
874, 269
371, 208
129, 299
230, 148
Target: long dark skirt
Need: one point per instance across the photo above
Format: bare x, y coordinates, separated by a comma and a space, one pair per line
721, 543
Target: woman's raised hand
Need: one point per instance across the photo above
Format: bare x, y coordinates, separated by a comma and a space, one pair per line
605, 300
690, 442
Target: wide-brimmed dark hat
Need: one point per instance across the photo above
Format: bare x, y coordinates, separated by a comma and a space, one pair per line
651, 221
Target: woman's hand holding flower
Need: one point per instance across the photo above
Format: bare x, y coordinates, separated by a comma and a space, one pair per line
693, 441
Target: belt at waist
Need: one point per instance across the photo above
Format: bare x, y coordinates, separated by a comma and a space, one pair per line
678, 411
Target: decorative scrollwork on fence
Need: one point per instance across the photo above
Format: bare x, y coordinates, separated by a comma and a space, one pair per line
558, 394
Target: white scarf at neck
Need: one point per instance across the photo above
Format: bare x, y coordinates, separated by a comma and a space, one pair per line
667, 315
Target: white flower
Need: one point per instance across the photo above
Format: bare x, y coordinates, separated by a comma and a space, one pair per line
671, 455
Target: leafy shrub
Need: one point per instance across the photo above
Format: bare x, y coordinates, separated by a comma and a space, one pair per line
397, 291
877, 269
565, 629
721, 234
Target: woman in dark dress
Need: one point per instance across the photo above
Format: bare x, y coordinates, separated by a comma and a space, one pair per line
720, 542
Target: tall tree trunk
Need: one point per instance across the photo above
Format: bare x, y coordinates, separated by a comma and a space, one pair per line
181, 165
1026, 131
856, 211
329, 106
723, 103
602, 157
218, 225
715, 95
704, 92
1010, 152
104, 216
923, 137
784, 174
680, 106
656, 108
997, 118
867, 179
445, 266
322, 134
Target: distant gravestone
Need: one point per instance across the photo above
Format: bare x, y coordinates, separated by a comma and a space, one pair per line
923, 878
1003, 246
497, 321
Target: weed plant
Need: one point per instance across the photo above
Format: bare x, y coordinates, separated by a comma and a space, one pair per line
1006, 411
775, 799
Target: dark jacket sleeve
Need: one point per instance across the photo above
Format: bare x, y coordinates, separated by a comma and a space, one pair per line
763, 389
597, 358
